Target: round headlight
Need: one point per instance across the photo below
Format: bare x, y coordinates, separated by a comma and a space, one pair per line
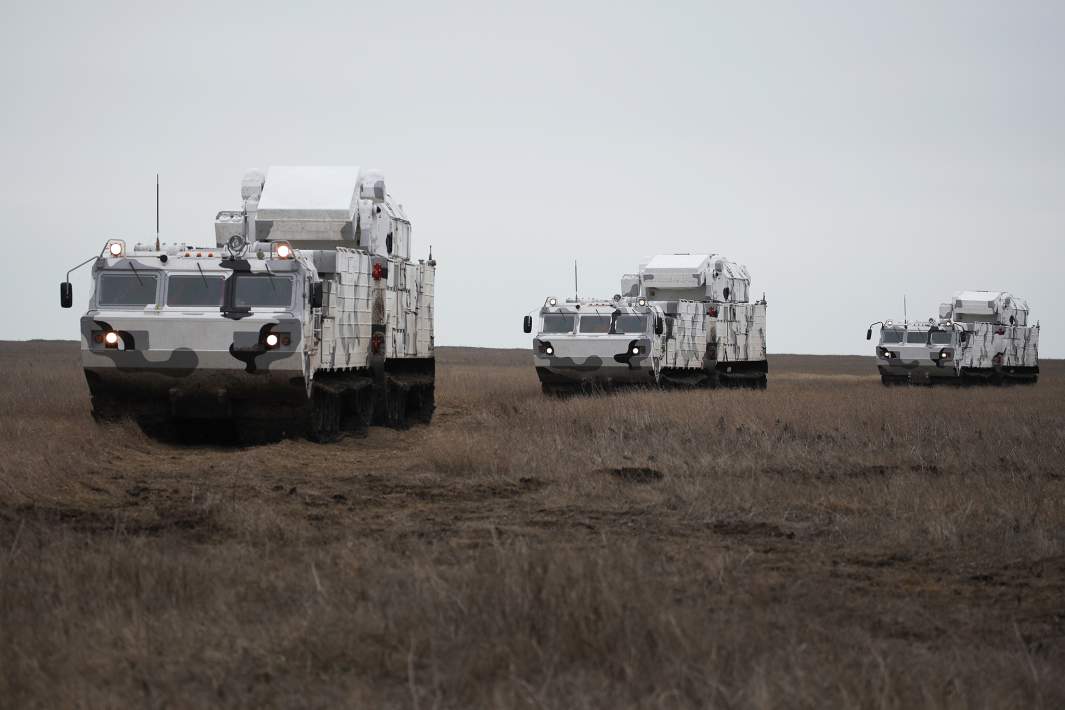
271, 340
553, 301
641, 302
549, 350
635, 349
284, 251
115, 249
111, 338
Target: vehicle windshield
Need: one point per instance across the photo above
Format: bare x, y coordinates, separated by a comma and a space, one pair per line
595, 324
630, 324
942, 337
136, 288
916, 337
262, 290
194, 290
557, 323
891, 336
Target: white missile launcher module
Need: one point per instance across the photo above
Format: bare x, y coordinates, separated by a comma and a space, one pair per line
306, 316
724, 343
980, 337
683, 320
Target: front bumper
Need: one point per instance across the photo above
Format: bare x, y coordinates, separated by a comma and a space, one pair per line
197, 393
917, 370
594, 371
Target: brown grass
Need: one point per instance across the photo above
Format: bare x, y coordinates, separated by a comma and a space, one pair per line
826, 543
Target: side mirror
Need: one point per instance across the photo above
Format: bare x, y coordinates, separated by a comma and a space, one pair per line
66, 294
527, 324
658, 326
316, 295
869, 334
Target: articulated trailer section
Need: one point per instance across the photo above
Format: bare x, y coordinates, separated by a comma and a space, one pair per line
307, 315
720, 333
713, 345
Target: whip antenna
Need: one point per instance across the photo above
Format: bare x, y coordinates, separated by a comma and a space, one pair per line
576, 292
157, 211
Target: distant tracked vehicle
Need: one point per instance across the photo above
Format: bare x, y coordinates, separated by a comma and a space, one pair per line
980, 337
307, 315
683, 320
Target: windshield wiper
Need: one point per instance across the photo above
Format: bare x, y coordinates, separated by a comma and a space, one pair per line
271, 279
202, 275
134, 270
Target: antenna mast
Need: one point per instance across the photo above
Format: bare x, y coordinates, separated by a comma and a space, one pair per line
905, 316
576, 292
157, 211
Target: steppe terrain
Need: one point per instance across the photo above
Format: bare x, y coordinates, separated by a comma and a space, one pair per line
825, 543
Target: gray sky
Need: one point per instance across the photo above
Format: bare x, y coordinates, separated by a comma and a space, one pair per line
848, 153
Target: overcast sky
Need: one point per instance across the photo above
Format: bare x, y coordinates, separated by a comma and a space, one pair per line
849, 153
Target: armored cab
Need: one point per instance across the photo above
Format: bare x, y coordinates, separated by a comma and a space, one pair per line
584, 344
729, 326
916, 352
979, 337
306, 315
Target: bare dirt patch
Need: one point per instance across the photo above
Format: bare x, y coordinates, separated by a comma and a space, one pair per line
632, 474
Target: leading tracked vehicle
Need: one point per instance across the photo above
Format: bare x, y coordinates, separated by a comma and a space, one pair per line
306, 316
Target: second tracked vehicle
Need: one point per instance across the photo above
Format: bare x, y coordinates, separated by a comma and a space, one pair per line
683, 320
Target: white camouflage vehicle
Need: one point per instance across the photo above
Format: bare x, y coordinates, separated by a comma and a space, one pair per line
683, 320
979, 337
306, 316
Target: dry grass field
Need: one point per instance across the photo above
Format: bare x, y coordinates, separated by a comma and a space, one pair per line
825, 543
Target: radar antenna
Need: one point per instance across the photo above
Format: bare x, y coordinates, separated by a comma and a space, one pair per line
157, 211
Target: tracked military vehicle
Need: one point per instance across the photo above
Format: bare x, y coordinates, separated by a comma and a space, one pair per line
683, 320
307, 314
980, 337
